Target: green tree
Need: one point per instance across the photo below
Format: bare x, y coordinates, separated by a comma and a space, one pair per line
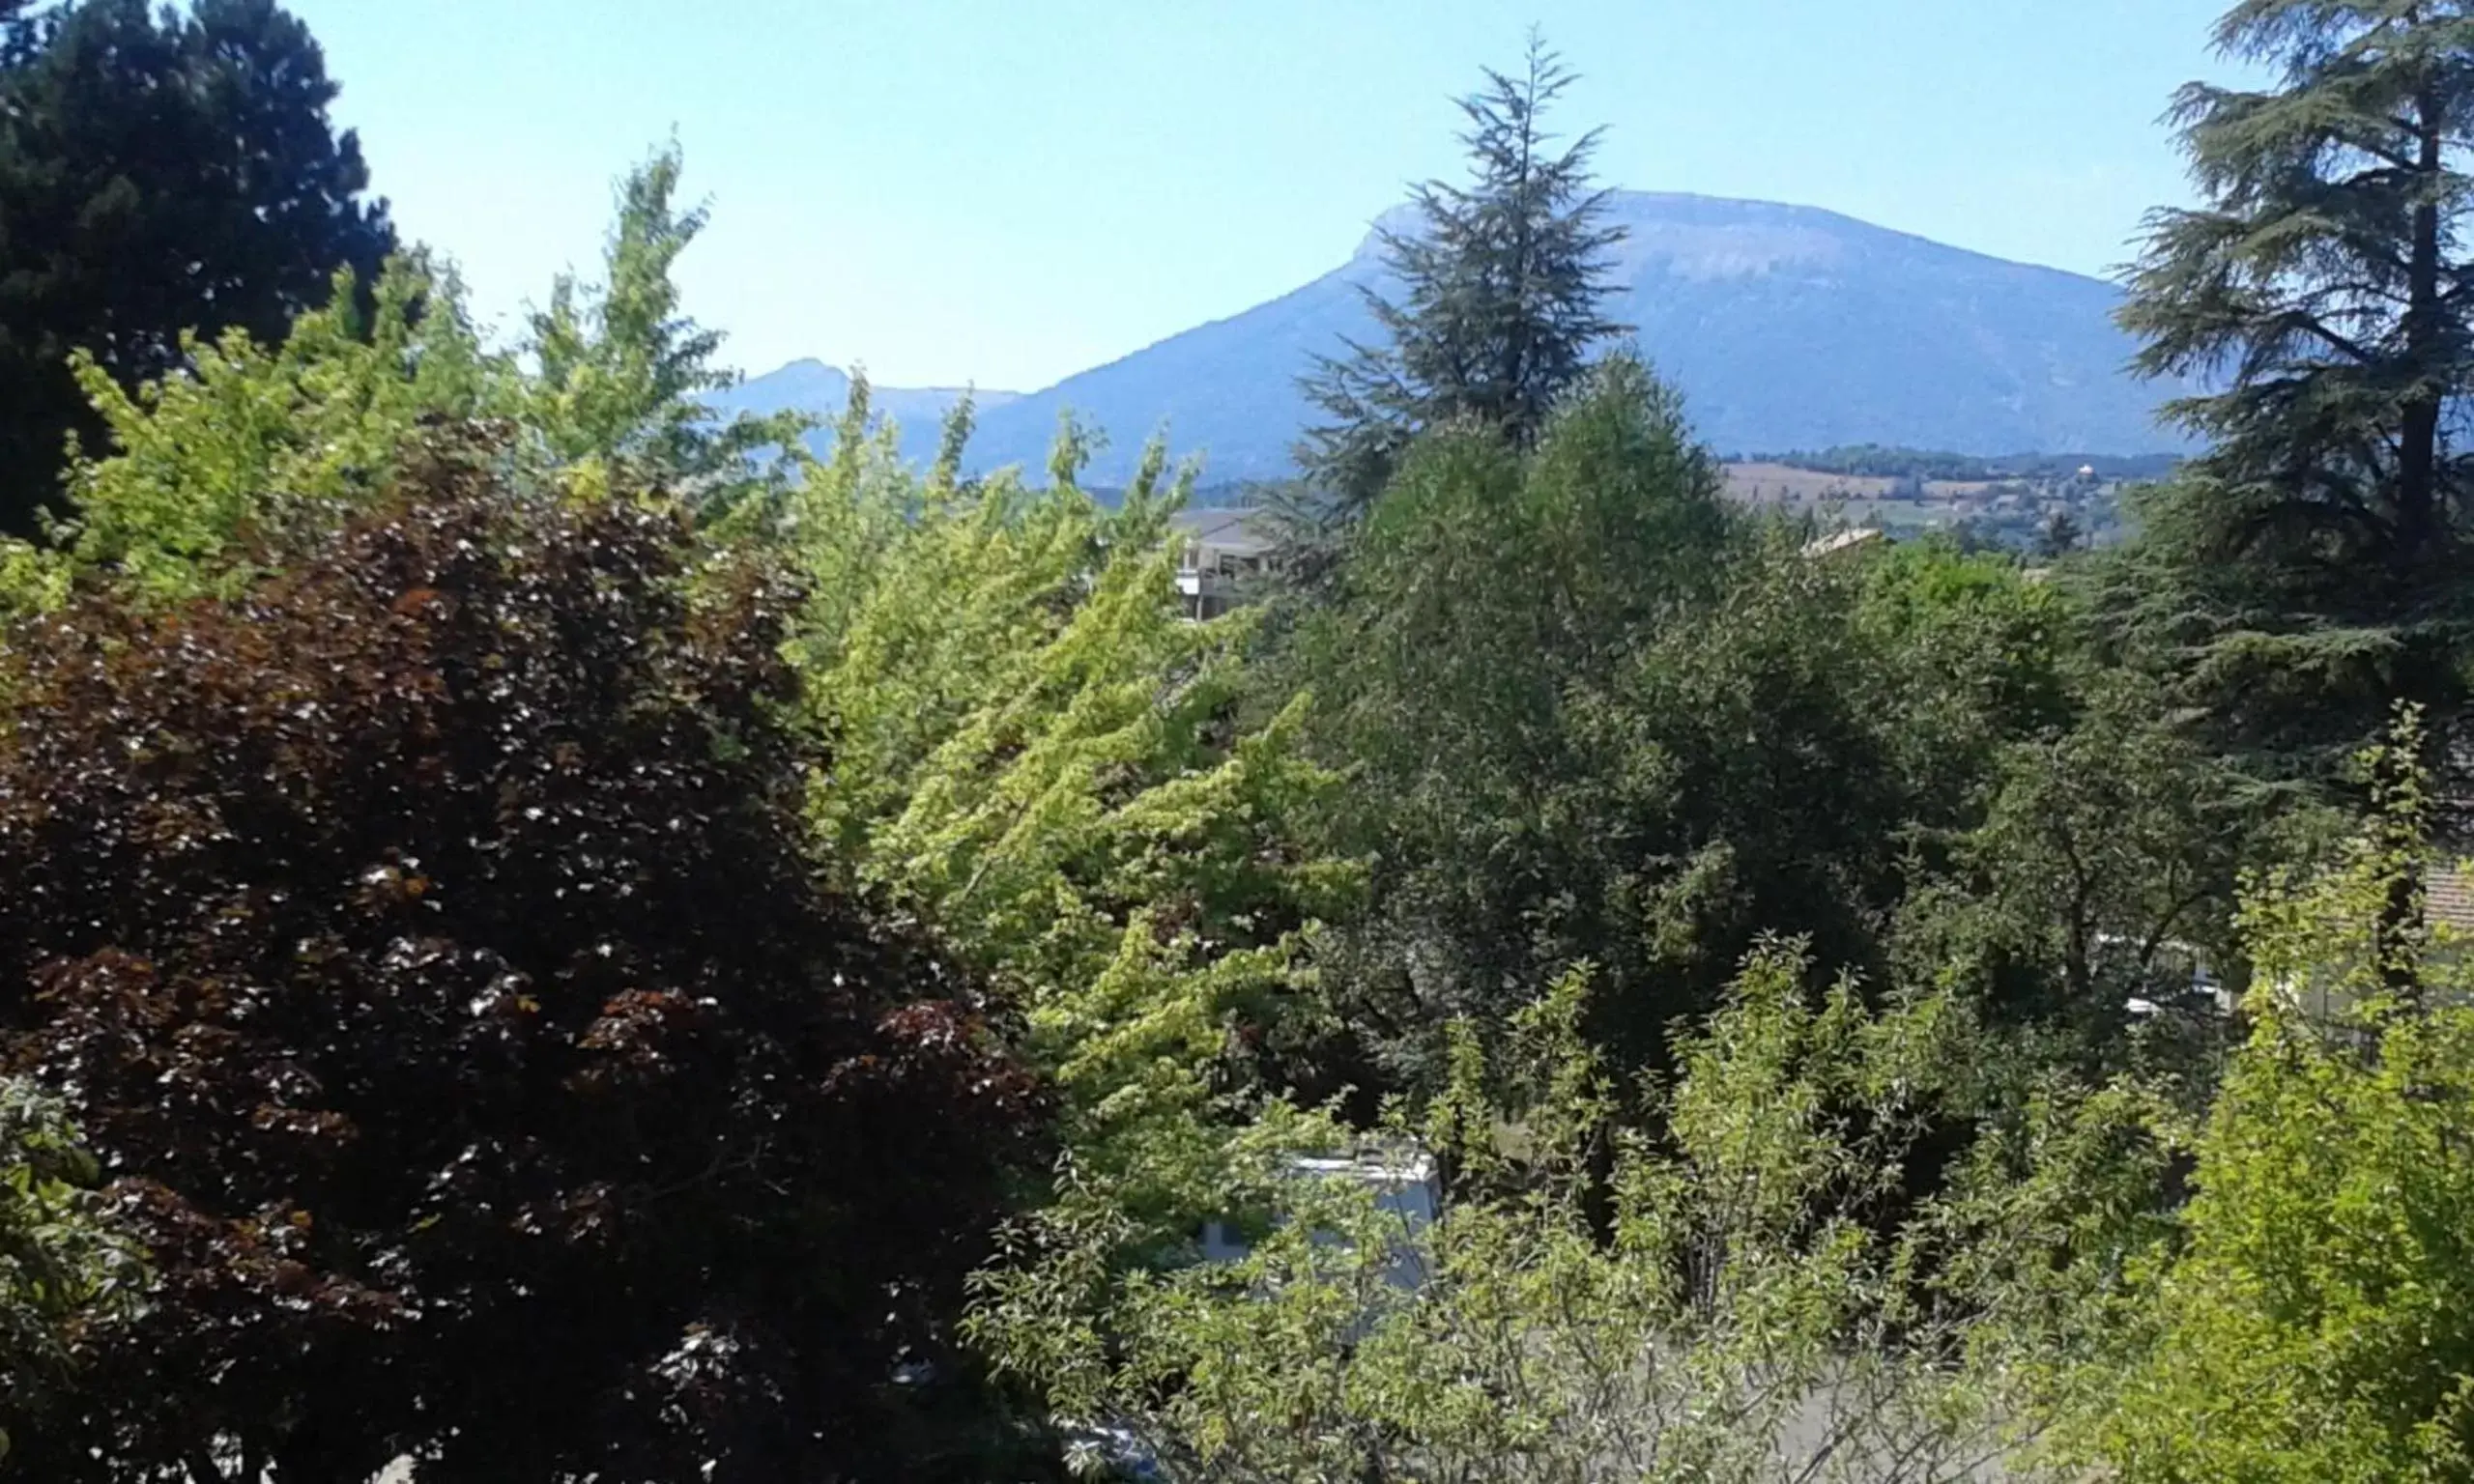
1590, 712
2060, 535
253, 454
2314, 1319
2090, 879
1035, 749
1490, 596
260, 451
620, 371
65, 1266
2306, 573
1500, 284
1762, 1304
159, 173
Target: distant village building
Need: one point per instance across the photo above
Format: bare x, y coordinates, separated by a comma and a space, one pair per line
2448, 912
1224, 549
2448, 901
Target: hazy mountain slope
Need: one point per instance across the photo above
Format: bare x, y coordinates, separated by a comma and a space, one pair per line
823, 391
1790, 328
1227, 390
1787, 327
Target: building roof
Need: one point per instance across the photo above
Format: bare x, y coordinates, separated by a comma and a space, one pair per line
2448, 896
1239, 531
1839, 541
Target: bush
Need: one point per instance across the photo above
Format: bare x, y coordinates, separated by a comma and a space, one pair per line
63, 1265
1748, 1295
2315, 1320
426, 938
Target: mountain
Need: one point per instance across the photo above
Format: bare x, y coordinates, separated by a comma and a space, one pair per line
1786, 327
822, 391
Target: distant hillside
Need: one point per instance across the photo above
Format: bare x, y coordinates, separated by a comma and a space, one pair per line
823, 391
1786, 327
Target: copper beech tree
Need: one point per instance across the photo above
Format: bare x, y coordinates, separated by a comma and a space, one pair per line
426, 938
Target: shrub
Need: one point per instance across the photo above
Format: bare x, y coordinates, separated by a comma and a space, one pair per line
426, 939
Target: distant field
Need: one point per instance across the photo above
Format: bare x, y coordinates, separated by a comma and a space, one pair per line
2007, 513
1775, 484
2012, 513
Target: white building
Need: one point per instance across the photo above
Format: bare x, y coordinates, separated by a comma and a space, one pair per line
1223, 551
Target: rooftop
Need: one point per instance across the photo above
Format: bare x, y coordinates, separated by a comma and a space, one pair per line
1237, 531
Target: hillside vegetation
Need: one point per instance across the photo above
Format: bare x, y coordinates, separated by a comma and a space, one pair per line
552, 930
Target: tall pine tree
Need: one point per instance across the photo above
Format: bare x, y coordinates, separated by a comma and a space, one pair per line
158, 173
2306, 573
1499, 287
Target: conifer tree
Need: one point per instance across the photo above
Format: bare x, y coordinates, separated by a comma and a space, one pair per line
159, 173
2305, 574
1500, 285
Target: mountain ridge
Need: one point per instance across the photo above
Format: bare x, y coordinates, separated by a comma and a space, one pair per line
1784, 326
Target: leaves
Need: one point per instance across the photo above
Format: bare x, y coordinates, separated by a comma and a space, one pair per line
620, 372
272, 447
65, 1266
163, 176
1757, 1304
427, 938
2311, 1323
1036, 749
2301, 576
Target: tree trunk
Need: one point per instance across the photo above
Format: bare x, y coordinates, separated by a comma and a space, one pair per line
2417, 500
2396, 937
2418, 440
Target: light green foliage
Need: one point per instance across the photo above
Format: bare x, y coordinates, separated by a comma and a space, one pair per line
1738, 1299
2318, 1323
272, 447
622, 371
1032, 744
277, 443
62, 1265
1979, 654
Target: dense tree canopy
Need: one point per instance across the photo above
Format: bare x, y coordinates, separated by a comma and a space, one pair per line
425, 936
1590, 713
160, 173
2313, 1321
1748, 1299
1034, 746
553, 936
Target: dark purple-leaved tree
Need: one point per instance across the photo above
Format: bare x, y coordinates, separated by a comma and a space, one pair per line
426, 939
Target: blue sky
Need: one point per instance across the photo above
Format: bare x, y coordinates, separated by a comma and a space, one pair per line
1006, 191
